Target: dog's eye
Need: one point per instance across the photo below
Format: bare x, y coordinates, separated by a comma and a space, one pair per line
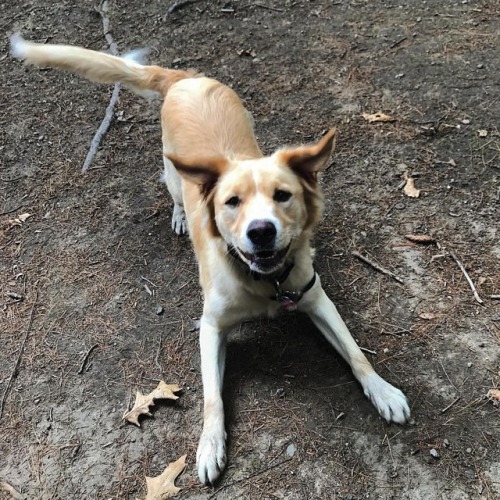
281, 196
234, 201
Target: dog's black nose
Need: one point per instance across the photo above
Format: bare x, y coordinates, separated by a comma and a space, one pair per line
261, 232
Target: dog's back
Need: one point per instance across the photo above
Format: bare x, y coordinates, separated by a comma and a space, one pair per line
204, 118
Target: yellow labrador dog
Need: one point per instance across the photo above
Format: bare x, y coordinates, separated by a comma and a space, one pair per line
250, 218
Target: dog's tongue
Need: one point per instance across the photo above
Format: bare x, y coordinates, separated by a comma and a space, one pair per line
266, 254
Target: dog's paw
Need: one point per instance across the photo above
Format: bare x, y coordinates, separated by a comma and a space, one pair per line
179, 221
211, 456
390, 402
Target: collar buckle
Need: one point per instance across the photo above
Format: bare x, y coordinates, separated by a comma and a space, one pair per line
289, 299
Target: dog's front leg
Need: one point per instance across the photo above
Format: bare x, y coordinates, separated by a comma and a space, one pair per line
390, 402
211, 455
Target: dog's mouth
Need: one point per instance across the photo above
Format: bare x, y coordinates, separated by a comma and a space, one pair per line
265, 261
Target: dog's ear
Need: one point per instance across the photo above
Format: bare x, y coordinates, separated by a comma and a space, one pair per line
202, 171
307, 161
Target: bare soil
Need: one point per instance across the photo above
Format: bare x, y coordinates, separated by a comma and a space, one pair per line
97, 258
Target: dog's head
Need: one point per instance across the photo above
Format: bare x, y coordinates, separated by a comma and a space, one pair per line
262, 207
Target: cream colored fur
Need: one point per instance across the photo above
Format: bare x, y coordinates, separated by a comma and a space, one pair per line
228, 195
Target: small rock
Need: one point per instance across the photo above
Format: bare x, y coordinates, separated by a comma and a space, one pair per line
280, 392
469, 364
399, 206
291, 449
469, 450
14, 295
160, 310
446, 443
480, 66
470, 473
434, 453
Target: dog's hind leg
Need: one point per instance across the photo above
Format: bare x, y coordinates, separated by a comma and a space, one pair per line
390, 402
211, 454
173, 181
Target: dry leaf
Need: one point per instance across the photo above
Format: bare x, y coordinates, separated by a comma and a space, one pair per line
144, 401
410, 189
420, 238
494, 394
427, 316
162, 486
482, 132
23, 217
18, 221
377, 117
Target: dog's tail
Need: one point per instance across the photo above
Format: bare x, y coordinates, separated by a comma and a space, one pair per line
100, 67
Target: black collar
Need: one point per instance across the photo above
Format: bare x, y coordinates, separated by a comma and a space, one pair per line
286, 298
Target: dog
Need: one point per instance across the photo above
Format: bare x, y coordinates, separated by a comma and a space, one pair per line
250, 218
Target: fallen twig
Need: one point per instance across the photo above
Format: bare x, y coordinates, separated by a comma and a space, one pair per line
85, 359
376, 266
467, 277
496, 297
106, 27
148, 281
369, 351
158, 354
179, 5
11, 211
103, 128
444, 410
18, 360
108, 116
397, 42
420, 238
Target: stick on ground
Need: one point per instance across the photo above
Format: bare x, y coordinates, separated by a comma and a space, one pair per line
467, 277
377, 267
108, 116
85, 359
369, 351
179, 5
444, 410
18, 360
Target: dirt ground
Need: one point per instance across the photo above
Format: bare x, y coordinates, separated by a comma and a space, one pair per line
96, 259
